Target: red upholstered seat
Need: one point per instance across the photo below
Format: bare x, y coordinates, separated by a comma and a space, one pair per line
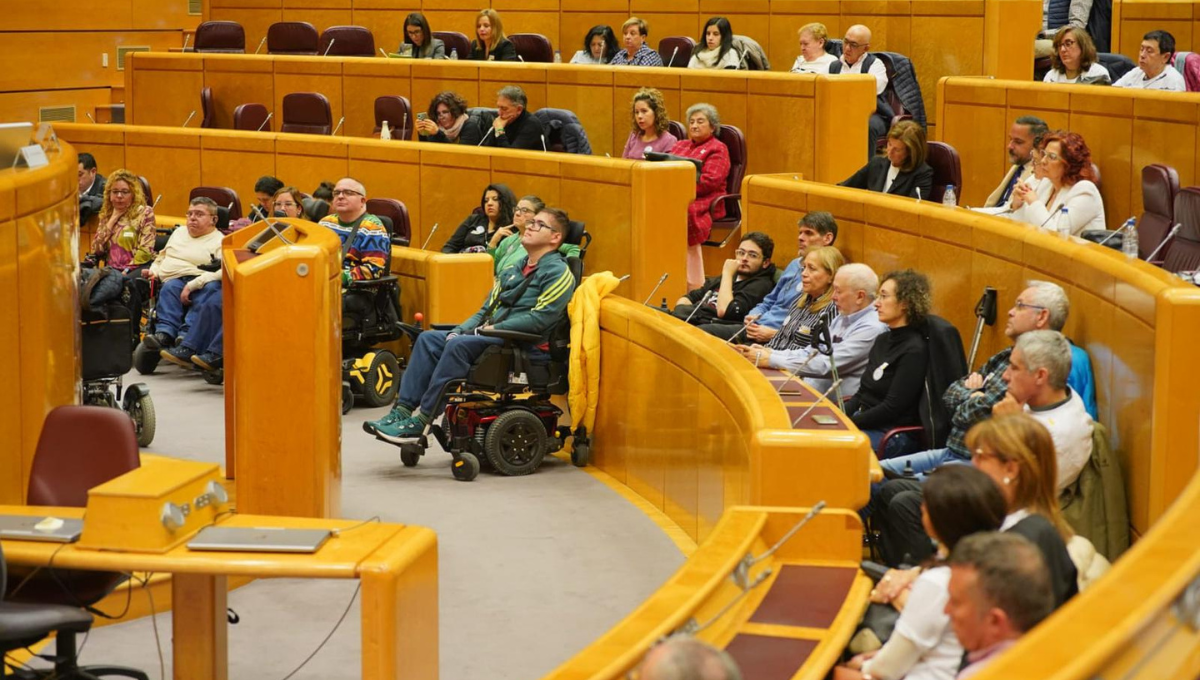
224, 197
676, 51
397, 111
533, 47
725, 227
220, 36
347, 41
454, 41
1160, 184
947, 170
292, 37
251, 117
395, 211
306, 113
208, 109
1184, 252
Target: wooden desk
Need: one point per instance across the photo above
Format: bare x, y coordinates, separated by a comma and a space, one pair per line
396, 563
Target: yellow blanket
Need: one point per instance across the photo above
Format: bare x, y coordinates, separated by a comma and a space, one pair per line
584, 375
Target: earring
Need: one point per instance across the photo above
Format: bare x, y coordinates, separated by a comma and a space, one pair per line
1006, 481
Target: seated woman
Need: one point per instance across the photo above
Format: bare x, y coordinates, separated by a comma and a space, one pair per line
813, 57
1074, 59
490, 44
472, 236
419, 39
599, 46
124, 238
702, 144
447, 121
903, 170
264, 190
650, 123
505, 246
959, 501
1067, 166
718, 52
814, 307
890, 391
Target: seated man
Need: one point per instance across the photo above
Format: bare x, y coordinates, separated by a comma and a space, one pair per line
636, 52
1154, 71
816, 229
853, 333
999, 590
264, 190
857, 59
744, 281
514, 127
365, 244
91, 188
184, 284
1024, 136
681, 657
529, 297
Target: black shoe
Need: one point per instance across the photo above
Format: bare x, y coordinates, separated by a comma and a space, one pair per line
159, 341
180, 356
209, 361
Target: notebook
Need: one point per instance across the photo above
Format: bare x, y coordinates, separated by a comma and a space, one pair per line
40, 528
259, 539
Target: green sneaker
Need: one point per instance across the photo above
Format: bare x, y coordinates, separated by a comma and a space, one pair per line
399, 412
403, 430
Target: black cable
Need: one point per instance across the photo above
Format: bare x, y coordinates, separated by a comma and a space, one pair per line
162, 665
335, 627
71, 593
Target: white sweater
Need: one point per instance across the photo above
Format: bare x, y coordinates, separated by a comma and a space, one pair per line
1071, 429
183, 255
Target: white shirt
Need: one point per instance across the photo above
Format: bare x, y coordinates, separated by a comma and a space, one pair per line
1095, 72
1070, 427
818, 65
1169, 80
183, 254
853, 336
1085, 208
877, 69
924, 623
893, 173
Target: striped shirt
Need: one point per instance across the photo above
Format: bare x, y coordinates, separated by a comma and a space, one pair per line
366, 258
796, 332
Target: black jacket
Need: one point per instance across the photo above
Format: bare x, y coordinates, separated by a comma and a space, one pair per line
1063, 575
503, 51
873, 175
891, 397
91, 202
524, 132
471, 233
747, 293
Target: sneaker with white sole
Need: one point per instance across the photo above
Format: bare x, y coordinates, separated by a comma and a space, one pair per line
403, 430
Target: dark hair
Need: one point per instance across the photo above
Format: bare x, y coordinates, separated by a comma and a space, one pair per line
610, 41
508, 203
962, 500
208, 203
324, 191
419, 20
726, 30
764, 243
912, 291
1075, 153
87, 160
267, 185
912, 135
1037, 127
1166, 41
452, 100
822, 221
560, 216
1011, 575
514, 94
538, 204
1087, 49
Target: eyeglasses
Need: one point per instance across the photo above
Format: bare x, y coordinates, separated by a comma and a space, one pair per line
121, 192
1050, 156
1069, 43
748, 254
1021, 306
853, 45
283, 204
444, 113
538, 225
980, 454
346, 192
521, 210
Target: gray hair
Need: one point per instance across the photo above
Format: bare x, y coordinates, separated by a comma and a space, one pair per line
1010, 575
513, 94
860, 277
208, 204
685, 658
1054, 299
1049, 350
709, 111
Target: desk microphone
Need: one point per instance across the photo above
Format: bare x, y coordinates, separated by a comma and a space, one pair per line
260, 44
431, 233
1053, 214
521, 58
265, 121
329, 47
485, 136
703, 301
1170, 235
734, 336
404, 126
90, 117
837, 384
795, 374
544, 144
186, 38
189, 118
383, 52
1118, 230
672, 60
152, 207
742, 61
339, 127
656, 287
918, 194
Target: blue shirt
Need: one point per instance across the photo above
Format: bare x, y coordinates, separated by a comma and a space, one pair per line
853, 336
1081, 379
775, 307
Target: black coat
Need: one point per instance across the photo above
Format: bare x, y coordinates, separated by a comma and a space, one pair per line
503, 51
524, 132
890, 393
473, 232
873, 175
91, 202
747, 293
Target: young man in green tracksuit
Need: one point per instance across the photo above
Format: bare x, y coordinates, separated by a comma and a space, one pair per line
530, 297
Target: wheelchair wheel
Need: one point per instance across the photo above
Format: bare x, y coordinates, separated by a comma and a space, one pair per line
410, 454
466, 468
145, 360
347, 398
516, 443
142, 412
382, 380
581, 454
216, 377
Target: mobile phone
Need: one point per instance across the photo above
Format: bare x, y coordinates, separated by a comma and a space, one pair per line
422, 116
825, 420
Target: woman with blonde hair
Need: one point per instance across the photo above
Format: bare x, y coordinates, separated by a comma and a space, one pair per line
648, 115
125, 237
816, 301
490, 43
813, 57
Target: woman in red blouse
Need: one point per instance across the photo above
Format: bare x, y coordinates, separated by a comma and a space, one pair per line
702, 144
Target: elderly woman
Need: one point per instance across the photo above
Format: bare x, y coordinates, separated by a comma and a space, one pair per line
890, 392
490, 44
702, 144
599, 46
813, 57
813, 308
497, 207
1074, 59
718, 52
1067, 166
650, 122
903, 170
447, 121
419, 39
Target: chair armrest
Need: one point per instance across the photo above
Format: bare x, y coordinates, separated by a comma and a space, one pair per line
895, 431
370, 283
515, 336
719, 199
399, 241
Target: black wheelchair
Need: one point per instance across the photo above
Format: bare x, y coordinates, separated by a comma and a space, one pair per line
501, 413
370, 317
107, 333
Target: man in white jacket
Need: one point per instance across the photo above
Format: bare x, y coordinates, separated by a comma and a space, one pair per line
185, 286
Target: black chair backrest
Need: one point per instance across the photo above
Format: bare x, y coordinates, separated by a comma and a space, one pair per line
676, 50
306, 112
251, 117
1184, 252
947, 170
315, 209
947, 364
400, 231
208, 108
292, 37
533, 47
454, 41
224, 196
735, 141
397, 111
677, 130
834, 46
220, 36
1116, 64
346, 41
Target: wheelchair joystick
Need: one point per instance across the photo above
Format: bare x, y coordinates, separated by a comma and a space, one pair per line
663, 306
419, 320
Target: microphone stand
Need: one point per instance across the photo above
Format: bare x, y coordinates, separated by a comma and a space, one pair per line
431, 233
329, 47
672, 61
837, 384
703, 301
656, 287
189, 118
1165, 241
1116, 231
339, 127
260, 44
985, 313
485, 136
265, 121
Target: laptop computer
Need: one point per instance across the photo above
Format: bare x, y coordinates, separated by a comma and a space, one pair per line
40, 528
13, 136
259, 539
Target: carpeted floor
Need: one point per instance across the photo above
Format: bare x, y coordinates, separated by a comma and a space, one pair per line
532, 568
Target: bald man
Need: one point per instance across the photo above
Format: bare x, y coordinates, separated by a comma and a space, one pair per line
686, 658
857, 59
363, 236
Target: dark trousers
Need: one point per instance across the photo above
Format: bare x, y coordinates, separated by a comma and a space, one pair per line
435, 362
877, 128
895, 512
207, 331
723, 330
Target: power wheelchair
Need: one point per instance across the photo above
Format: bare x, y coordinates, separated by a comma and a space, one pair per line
371, 316
501, 413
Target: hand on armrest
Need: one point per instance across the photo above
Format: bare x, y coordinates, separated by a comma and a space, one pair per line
509, 335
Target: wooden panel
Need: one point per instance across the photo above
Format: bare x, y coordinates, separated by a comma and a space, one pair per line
47, 60
24, 106
240, 81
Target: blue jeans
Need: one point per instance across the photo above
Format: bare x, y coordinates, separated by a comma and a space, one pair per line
207, 332
922, 463
898, 445
173, 317
435, 362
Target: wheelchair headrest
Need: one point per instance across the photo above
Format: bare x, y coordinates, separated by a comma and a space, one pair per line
387, 223
575, 232
222, 219
315, 209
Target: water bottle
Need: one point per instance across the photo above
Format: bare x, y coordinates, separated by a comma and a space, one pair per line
454, 54
1063, 224
557, 57
384, 131
1129, 245
949, 198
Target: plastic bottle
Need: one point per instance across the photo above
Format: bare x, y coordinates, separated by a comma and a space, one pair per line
1129, 245
1062, 224
385, 132
557, 57
454, 54
950, 198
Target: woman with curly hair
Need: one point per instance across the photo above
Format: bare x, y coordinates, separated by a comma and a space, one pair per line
447, 121
890, 391
125, 237
1067, 165
1074, 59
648, 114
496, 209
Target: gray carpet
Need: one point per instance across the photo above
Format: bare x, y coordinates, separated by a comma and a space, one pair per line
532, 569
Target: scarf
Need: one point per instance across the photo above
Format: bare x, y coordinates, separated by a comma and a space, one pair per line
708, 58
453, 131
